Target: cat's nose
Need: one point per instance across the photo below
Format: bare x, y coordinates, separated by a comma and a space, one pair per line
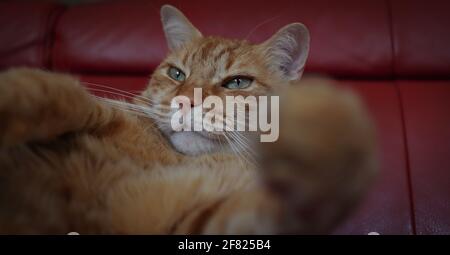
193, 93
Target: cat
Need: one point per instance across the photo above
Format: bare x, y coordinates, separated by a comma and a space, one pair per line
72, 162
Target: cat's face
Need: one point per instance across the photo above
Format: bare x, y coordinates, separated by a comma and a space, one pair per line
220, 67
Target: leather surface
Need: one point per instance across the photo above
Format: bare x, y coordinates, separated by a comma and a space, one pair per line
24, 33
426, 106
349, 39
421, 38
117, 37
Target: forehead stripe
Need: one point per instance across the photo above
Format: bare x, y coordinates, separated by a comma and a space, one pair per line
185, 57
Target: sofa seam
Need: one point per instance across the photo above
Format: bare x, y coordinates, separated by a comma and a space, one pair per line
42, 37
407, 156
391, 37
402, 119
44, 28
50, 39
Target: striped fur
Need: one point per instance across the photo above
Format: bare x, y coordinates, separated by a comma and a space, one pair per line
71, 162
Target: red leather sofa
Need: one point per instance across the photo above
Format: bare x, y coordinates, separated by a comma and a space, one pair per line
394, 53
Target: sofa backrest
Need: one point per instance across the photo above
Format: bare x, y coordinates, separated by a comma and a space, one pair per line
354, 39
26, 33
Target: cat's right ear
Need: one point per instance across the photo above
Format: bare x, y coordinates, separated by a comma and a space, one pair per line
288, 50
177, 28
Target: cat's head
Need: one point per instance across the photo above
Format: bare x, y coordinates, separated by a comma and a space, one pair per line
220, 67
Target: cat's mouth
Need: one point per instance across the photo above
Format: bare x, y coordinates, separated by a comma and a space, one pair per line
191, 142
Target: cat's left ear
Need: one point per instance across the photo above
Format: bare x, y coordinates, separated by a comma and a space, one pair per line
177, 28
288, 49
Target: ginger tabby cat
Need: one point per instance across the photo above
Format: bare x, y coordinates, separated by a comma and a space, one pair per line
72, 162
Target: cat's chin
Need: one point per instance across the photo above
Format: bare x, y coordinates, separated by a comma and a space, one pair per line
192, 143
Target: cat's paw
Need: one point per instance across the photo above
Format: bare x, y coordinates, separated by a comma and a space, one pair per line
36, 104
324, 159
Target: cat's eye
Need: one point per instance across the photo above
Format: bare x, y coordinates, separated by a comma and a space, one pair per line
238, 83
176, 74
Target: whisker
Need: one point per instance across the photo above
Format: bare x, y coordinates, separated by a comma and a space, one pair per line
132, 107
234, 150
111, 92
259, 25
123, 93
130, 97
118, 90
244, 148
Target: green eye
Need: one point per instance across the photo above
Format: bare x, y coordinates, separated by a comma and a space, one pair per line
176, 74
238, 83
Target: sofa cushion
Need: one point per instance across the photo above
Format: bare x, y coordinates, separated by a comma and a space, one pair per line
127, 37
25, 29
421, 38
426, 107
112, 37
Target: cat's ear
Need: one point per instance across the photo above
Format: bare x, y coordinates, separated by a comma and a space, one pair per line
177, 28
287, 50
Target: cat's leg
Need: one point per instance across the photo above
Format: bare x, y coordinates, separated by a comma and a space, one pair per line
38, 105
314, 174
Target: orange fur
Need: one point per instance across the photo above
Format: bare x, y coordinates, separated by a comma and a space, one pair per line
69, 162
